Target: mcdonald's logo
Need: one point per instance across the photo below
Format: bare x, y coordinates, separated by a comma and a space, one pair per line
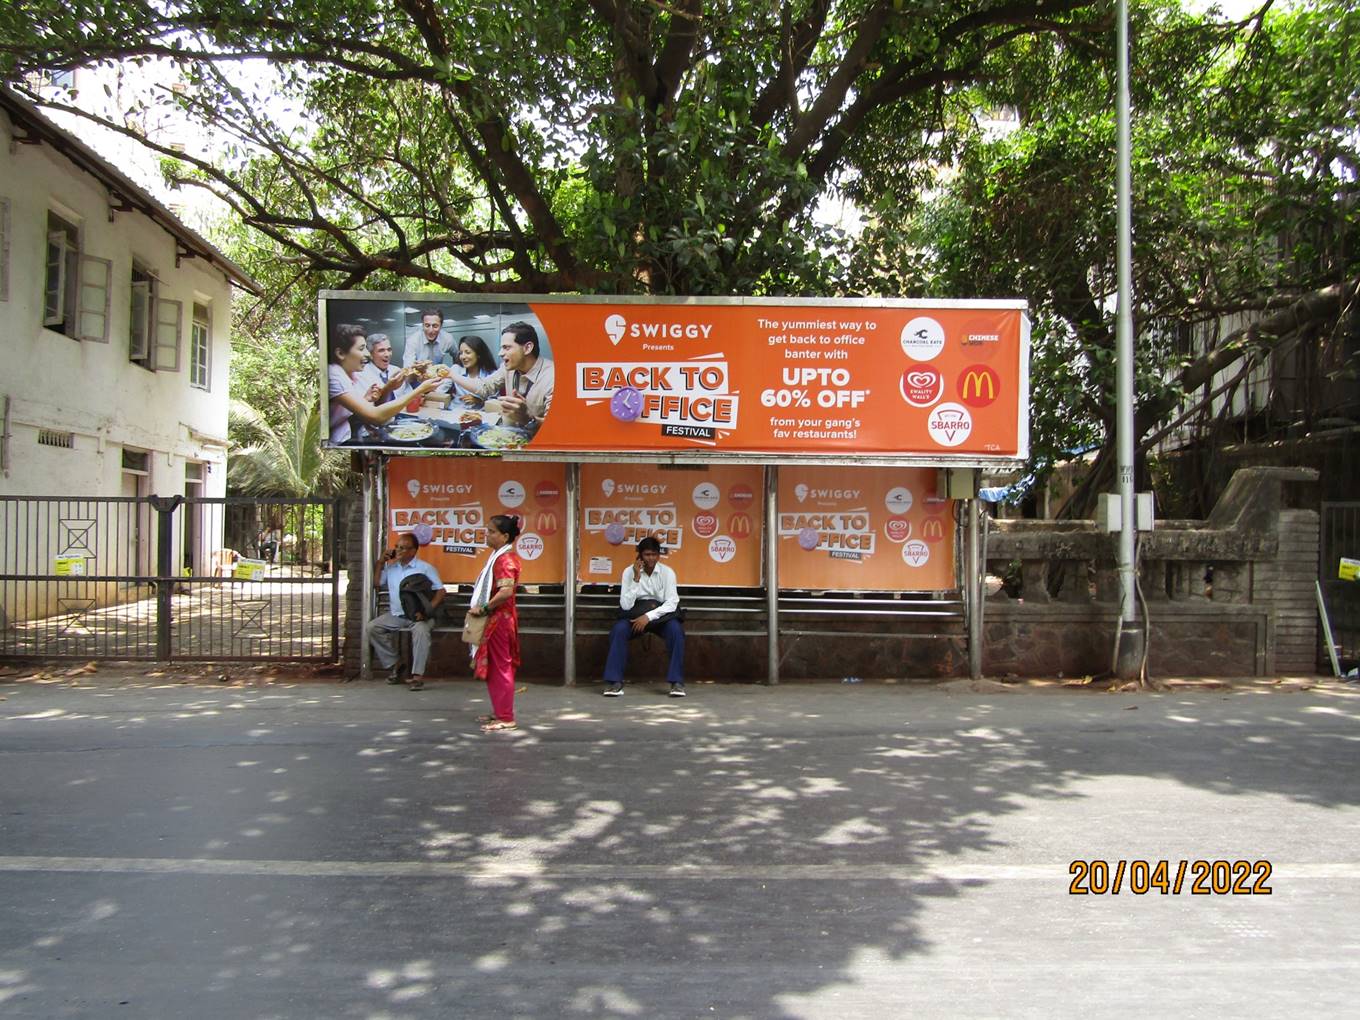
739, 526
546, 523
979, 385
932, 530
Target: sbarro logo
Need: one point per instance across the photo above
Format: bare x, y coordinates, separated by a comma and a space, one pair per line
922, 338
529, 546
511, 494
921, 385
915, 553
722, 549
950, 424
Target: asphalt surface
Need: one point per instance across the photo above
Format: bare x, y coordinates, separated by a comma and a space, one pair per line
329, 850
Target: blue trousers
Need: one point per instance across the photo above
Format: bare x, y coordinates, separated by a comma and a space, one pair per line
622, 633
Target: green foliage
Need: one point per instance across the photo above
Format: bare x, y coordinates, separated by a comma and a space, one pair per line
1244, 171
267, 460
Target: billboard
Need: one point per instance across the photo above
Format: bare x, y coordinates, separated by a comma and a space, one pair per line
700, 379
455, 498
707, 517
864, 529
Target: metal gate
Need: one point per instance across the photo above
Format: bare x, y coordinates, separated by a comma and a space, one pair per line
1341, 537
164, 578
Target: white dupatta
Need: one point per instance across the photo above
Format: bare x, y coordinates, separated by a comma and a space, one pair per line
481, 591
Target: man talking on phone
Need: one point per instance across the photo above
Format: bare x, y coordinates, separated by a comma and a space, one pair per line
393, 567
648, 601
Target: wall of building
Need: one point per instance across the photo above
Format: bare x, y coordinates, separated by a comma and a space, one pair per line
75, 407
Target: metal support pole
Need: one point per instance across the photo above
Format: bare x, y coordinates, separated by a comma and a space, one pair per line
1128, 661
165, 582
772, 573
573, 565
973, 592
366, 574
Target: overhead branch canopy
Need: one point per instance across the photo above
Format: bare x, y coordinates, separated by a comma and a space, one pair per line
614, 145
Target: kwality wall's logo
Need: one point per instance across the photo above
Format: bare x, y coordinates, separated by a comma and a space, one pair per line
616, 327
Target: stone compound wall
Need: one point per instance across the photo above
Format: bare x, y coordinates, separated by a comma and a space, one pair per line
1228, 596
1255, 617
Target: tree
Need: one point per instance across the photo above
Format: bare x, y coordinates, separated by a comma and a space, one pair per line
592, 145
288, 461
1245, 173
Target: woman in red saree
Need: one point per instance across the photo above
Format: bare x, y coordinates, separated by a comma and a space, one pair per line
493, 596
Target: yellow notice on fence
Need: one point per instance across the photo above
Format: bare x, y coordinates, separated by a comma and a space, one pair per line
248, 570
1349, 570
69, 566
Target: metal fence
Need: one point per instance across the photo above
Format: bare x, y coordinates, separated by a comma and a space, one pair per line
1341, 537
169, 578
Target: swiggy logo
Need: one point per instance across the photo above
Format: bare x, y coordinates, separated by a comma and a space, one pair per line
979, 385
932, 530
739, 525
546, 523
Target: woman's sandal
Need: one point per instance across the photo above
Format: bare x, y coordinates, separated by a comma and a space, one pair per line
498, 724
482, 720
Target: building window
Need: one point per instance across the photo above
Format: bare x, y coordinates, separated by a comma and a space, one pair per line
200, 343
62, 266
137, 462
140, 328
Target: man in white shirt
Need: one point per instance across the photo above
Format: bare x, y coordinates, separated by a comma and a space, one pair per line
393, 567
523, 386
647, 585
380, 373
431, 344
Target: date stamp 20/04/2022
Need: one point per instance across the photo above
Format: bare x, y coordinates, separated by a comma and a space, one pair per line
1170, 878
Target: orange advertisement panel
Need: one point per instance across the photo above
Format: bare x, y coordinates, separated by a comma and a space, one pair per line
707, 518
864, 529
947, 383
455, 497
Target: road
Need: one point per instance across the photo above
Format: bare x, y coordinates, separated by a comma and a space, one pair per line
357, 850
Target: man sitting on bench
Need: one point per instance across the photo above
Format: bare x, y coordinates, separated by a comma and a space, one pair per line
648, 601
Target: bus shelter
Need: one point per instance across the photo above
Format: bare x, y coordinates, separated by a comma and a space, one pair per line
810, 455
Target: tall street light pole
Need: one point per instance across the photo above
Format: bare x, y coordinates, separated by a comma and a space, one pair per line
1130, 644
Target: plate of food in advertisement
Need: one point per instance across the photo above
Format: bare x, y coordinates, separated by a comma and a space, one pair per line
406, 431
496, 436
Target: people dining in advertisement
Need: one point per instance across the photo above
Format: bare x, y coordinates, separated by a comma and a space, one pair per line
474, 377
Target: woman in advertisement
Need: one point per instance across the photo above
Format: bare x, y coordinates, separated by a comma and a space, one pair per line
348, 406
477, 361
493, 596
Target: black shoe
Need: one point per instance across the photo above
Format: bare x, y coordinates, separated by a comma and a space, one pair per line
613, 691
677, 690
394, 675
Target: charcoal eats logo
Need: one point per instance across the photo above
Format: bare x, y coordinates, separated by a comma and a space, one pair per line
922, 338
511, 494
898, 500
706, 495
950, 424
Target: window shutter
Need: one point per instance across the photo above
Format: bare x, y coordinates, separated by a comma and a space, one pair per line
54, 289
96, 277
138, 343
169, 318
